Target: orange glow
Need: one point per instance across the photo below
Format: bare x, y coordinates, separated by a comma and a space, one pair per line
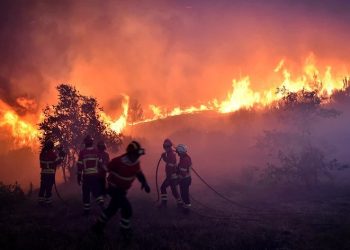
241, 96
120, 123
24, 133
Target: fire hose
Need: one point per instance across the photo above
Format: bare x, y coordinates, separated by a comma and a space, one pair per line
157, 187
207, 184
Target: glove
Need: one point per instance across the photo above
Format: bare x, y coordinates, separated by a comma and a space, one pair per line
146, 187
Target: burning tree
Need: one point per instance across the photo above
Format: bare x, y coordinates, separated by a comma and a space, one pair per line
68, 122
343, 95
299, 158
135, 112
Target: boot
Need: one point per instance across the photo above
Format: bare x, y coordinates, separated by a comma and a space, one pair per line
179, 203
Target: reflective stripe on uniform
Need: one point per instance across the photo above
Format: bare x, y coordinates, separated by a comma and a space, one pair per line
122, 177
174, 176
187, 205
90, 159
47, 162
90, 171
124, 223
103, 217
47, 171
87, 206
171, 164
100, 199
164, 197
186, 176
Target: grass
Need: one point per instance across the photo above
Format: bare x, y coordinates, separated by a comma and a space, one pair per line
283, 219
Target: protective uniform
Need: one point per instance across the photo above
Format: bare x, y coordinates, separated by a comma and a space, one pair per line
122, 171
104, 156
49, 160
171, 179
184, 170
88, 166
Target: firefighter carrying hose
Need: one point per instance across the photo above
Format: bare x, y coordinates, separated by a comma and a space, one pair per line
88, 166
104, 156
49, 160
122, 171
184, 171
171, 180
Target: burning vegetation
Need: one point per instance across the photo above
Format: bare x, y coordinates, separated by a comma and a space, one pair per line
268, 135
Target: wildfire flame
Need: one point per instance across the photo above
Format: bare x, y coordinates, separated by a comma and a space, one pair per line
23, 133
241, 96
119, 124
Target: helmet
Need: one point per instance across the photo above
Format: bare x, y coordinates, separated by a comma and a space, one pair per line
49, 145
181, 148
101, 145
88, 141
167, 143
135, 147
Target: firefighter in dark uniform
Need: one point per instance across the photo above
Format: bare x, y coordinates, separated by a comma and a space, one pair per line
122, 171
88, 166
171, 179
49, 160
184, 170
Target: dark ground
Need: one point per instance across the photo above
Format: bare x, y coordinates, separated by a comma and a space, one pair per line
282, 218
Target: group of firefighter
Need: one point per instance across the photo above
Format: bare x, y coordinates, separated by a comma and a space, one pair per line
100, 176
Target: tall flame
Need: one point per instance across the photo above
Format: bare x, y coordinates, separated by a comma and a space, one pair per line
119, 124
23, 133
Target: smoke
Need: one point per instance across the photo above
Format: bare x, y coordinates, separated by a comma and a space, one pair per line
166, 53
169, 53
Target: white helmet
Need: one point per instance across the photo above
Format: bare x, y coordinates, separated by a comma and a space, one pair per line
181, 148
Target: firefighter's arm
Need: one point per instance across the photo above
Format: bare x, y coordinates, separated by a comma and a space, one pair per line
144, 185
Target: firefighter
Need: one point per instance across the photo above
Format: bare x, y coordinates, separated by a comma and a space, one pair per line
48, 164
169, 157
104, 156
122, 171
88, 166
184, 171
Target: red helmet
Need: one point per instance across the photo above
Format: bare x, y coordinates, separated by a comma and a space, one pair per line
167, 143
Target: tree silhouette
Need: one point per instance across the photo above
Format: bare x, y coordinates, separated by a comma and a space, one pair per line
68, 122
